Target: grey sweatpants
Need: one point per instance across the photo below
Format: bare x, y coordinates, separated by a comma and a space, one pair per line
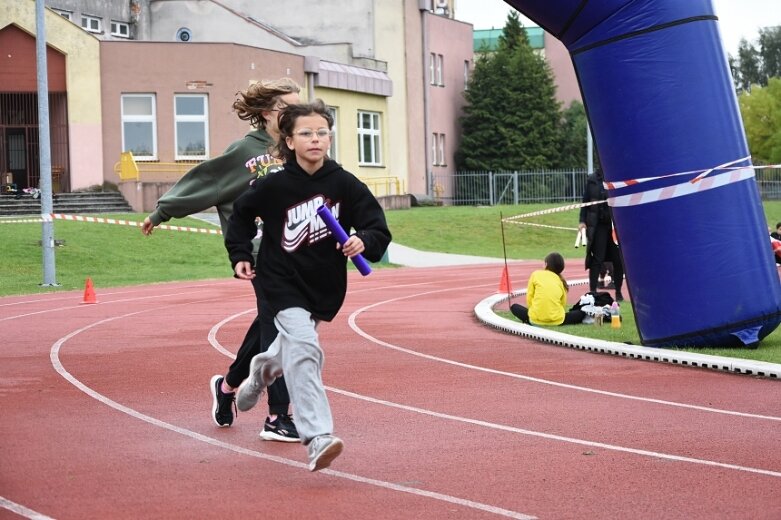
297, 351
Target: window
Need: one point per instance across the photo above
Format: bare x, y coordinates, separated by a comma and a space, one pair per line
90, 23
65, 14
191, 126
466, 74
438, 150
436, 74
332, 149
120, 29
139, 127
369, 138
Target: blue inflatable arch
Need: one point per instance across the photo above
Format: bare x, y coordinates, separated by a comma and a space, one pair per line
665, 119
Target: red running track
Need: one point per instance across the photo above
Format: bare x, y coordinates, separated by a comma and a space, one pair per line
106, 414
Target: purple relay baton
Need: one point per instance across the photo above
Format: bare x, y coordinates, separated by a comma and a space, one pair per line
341, 237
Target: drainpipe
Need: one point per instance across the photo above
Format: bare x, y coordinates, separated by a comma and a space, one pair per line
311, 68
425, 8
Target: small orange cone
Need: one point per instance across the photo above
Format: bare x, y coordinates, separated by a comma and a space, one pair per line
504, 284
89, 292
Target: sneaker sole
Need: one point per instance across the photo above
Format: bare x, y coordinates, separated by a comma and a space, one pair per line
215, 405
272, 436
327, 456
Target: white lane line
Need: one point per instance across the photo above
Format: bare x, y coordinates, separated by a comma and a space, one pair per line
353, 325
512, 429
20, 510
54, 357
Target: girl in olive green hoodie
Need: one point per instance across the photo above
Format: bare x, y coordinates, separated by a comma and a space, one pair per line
218, 182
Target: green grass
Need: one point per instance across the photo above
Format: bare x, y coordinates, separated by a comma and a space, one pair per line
112, 255
768, 351
116, 255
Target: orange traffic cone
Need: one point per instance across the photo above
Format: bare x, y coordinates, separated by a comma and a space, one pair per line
89, 292
504, 284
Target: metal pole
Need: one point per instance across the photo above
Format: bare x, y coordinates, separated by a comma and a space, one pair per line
44, 149
589, 148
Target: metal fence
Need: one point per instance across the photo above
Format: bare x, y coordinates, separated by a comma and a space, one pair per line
487, 188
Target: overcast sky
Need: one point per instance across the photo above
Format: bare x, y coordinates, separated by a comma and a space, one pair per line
737, 18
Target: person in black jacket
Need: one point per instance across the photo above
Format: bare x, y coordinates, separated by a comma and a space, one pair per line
301, 269
597, 220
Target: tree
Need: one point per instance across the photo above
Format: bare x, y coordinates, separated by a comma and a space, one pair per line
761, 112
770, 51
574, 150
749, 66
755, 66
511, 120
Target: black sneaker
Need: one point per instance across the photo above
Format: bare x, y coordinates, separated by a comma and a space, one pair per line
222, 403
281, 429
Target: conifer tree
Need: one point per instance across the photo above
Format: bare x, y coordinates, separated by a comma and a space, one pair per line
512, 118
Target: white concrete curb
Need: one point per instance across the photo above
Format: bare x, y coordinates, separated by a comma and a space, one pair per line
484, 311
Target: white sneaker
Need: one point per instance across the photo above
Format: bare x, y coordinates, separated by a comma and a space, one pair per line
322, 450
263, 370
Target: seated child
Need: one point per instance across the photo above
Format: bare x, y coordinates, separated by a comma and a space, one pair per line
546, 297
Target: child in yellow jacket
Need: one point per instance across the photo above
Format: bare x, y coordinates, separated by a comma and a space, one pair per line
546, 297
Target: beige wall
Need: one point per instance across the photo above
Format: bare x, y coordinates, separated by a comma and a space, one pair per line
416, 137
389, 29
347, 105
567, 88
82, 53
166, 69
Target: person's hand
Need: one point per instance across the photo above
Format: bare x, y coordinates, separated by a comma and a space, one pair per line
147, 227
353, 246
244, 270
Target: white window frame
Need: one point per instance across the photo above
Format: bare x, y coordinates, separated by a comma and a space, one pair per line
190, 118
438, 149
91, 24
466, 74
68, 15
120, 29
333, 150
440, 70
371, 156
432, 68
140, 118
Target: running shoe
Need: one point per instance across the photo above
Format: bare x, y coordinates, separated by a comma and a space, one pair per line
322, 450
281, 429
222, 403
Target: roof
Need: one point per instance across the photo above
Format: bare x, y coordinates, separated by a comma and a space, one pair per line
349, 77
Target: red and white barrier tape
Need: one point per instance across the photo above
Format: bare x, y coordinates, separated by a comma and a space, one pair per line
100, 220
683, 189
553, 210
700, 174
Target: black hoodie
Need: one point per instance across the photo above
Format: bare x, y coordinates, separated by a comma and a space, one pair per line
299, 264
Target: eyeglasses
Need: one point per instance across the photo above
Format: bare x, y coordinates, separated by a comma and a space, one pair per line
308, 134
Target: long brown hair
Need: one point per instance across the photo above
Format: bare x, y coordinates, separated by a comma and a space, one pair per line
260, 97
287, 123
554, 262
